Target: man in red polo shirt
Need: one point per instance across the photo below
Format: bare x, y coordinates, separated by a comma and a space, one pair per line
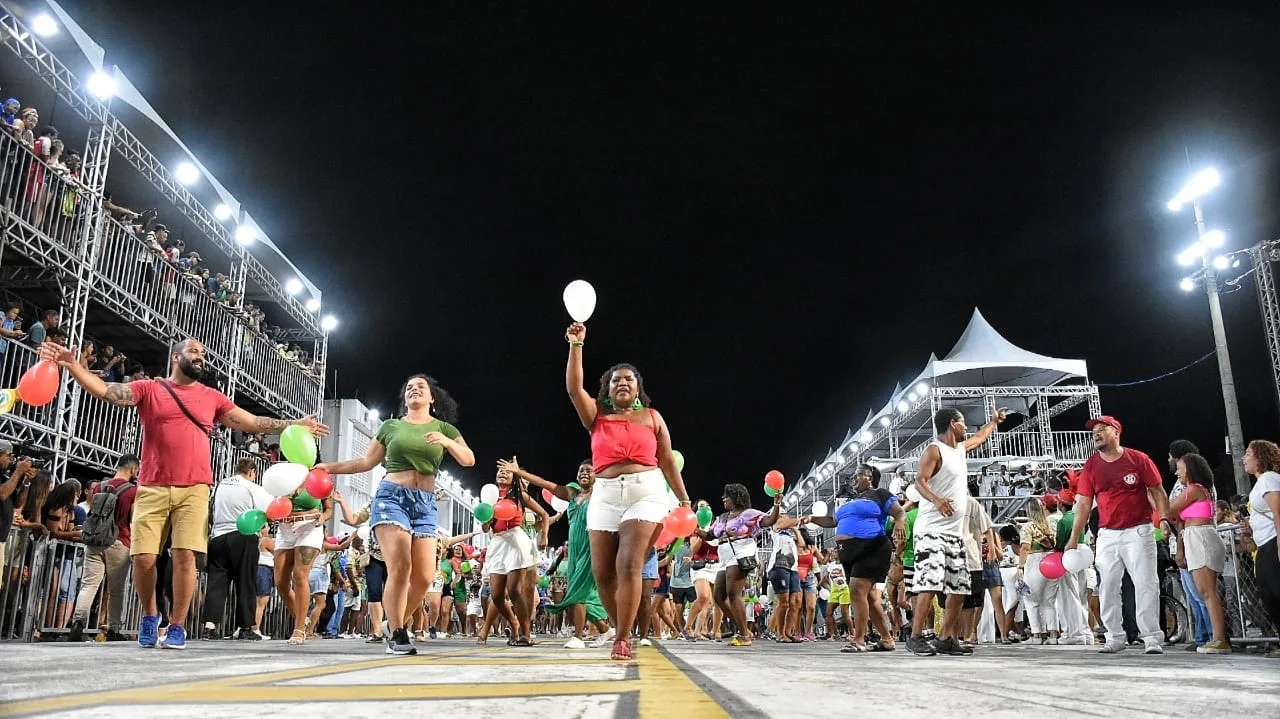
1126, 485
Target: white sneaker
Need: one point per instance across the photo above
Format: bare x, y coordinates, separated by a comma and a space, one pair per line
1052, 641
1113, 648
604, 639
645, 642
1153, 648
575, 643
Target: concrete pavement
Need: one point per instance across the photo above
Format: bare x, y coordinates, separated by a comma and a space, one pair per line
455, 678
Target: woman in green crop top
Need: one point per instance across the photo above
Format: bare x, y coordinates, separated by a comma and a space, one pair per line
403, 515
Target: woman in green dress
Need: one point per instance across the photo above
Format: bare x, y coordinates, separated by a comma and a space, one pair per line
582, 597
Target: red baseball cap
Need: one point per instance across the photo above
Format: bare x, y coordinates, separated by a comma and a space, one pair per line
1104, 419
1049, 500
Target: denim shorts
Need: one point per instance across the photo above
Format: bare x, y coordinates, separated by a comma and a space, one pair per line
650, 570
991, 574
810, 583
413, 510
318, 580
266, 580
784, 581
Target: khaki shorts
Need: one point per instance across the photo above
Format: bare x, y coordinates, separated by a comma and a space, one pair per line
177, 513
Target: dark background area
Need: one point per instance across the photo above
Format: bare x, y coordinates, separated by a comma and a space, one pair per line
783, 215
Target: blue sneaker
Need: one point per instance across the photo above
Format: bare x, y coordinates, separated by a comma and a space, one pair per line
149, 632
175, 638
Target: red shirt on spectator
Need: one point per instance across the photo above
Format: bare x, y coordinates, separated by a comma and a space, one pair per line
1120, 488
175, 453
124, 507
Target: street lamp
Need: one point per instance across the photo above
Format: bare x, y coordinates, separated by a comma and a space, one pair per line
1197, 187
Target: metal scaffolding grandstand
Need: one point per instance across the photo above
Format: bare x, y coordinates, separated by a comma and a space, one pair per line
982, 372
56, 238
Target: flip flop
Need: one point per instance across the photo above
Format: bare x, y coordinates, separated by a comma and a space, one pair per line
852, 648
520, 643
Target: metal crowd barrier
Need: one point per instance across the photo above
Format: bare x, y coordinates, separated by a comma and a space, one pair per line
1246, 617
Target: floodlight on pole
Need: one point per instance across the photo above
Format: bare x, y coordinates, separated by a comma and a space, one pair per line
245, 235
222, 212
102, 85
313, 305
1187, 284
373, 416
1191, 254
1221, 262
293, 286
328, 322
1213, 239
1197, 187
44, 25
186, 173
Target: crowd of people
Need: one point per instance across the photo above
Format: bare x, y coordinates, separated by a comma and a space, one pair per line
921, 565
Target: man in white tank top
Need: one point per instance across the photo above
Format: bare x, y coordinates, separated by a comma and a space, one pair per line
941, 568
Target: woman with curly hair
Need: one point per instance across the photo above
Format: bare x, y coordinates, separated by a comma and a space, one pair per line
403, 515
736, 529
632, 459
1200, 547
1262, 460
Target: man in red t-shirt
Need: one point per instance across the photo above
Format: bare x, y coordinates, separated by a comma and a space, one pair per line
1126, 485
113, 561
172, 498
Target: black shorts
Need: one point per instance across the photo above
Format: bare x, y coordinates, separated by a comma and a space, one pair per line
681, 595
375, 577
664, 586
866, 558
977, 590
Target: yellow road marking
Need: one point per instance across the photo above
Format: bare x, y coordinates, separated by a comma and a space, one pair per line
665, 691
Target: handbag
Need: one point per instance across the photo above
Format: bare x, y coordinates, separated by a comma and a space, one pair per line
207, 431
748, 564
698, 564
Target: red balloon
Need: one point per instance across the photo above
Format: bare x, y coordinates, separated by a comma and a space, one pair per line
665, 538
1051, 566
547, 496
319, 483
469, 550
39, 385
506, 510
774, 480
279, 508
681, 522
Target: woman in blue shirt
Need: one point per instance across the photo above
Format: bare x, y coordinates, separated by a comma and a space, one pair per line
865, 550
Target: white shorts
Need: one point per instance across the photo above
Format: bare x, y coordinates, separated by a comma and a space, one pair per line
707, 573
299, 534
641, 496
511, 551
732, 551
353, 602
474, 609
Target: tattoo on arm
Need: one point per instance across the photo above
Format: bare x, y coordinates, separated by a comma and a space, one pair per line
271, 424
121, 395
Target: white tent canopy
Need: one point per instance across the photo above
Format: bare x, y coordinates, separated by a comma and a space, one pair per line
983, 357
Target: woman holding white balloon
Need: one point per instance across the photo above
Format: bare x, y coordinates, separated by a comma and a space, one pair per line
632, 458
404, 519
299, 540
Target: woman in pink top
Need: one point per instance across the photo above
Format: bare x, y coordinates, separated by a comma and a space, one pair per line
1200, 544
631, 455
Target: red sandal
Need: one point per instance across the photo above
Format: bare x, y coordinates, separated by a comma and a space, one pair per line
621, 650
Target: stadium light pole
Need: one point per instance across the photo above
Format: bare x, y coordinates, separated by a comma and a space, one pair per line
1197, 187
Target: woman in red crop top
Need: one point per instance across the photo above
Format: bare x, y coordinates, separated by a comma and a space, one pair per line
631, 455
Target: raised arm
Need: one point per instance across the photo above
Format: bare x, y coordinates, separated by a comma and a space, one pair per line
513, 466
121, 395
372, 458
245, 421
976, 440
583, 402
772, 517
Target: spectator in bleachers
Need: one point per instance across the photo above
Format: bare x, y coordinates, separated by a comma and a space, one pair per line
9, 113
48, 321
10, 329
24, 128
47, 148
13, 474
111, 561
109, 365
57, 336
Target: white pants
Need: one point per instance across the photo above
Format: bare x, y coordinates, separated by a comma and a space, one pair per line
1042, 613
1132, 550
1072, 610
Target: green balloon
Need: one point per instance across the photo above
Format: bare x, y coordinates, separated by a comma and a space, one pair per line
251, 522
466, 567
679, 460
298, 445
544, 581
770, 491
483, 512
705, 515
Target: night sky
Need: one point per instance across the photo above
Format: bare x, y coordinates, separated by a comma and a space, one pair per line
782, 215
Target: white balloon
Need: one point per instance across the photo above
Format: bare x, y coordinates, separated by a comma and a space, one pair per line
580, 300
283, 478
1077, 559
813, 527
559, 504
819, 509
489, 494
824, 594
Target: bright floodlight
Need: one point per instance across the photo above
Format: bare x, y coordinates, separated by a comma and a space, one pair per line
44, 25
903, 406
313, 305
293, 286
374, 415
912, 396
222, 212
328, 322
867, 436
245, 235
1203, 181
1191, 254
922, 388
1187, 284
1214, 238
186, 173
1221, 262
885, 421
102, 85
853, 447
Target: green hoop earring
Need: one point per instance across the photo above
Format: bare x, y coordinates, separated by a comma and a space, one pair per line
637, 405
608, 403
